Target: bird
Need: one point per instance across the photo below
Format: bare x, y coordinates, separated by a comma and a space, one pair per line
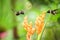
54, 12
19, 12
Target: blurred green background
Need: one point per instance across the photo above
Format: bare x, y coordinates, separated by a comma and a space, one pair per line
32, 9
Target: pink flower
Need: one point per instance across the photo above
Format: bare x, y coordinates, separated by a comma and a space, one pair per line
2, 35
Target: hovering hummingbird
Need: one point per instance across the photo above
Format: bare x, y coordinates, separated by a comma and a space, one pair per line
20, 12
54, 12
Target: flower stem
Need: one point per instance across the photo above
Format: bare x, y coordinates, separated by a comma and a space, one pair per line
40, 35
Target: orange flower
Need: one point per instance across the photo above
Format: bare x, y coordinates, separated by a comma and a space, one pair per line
28, 28
39, 23
25, 24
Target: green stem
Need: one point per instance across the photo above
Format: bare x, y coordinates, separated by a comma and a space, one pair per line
40, 35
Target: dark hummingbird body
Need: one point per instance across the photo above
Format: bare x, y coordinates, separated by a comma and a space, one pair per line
52, 11
19, 12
